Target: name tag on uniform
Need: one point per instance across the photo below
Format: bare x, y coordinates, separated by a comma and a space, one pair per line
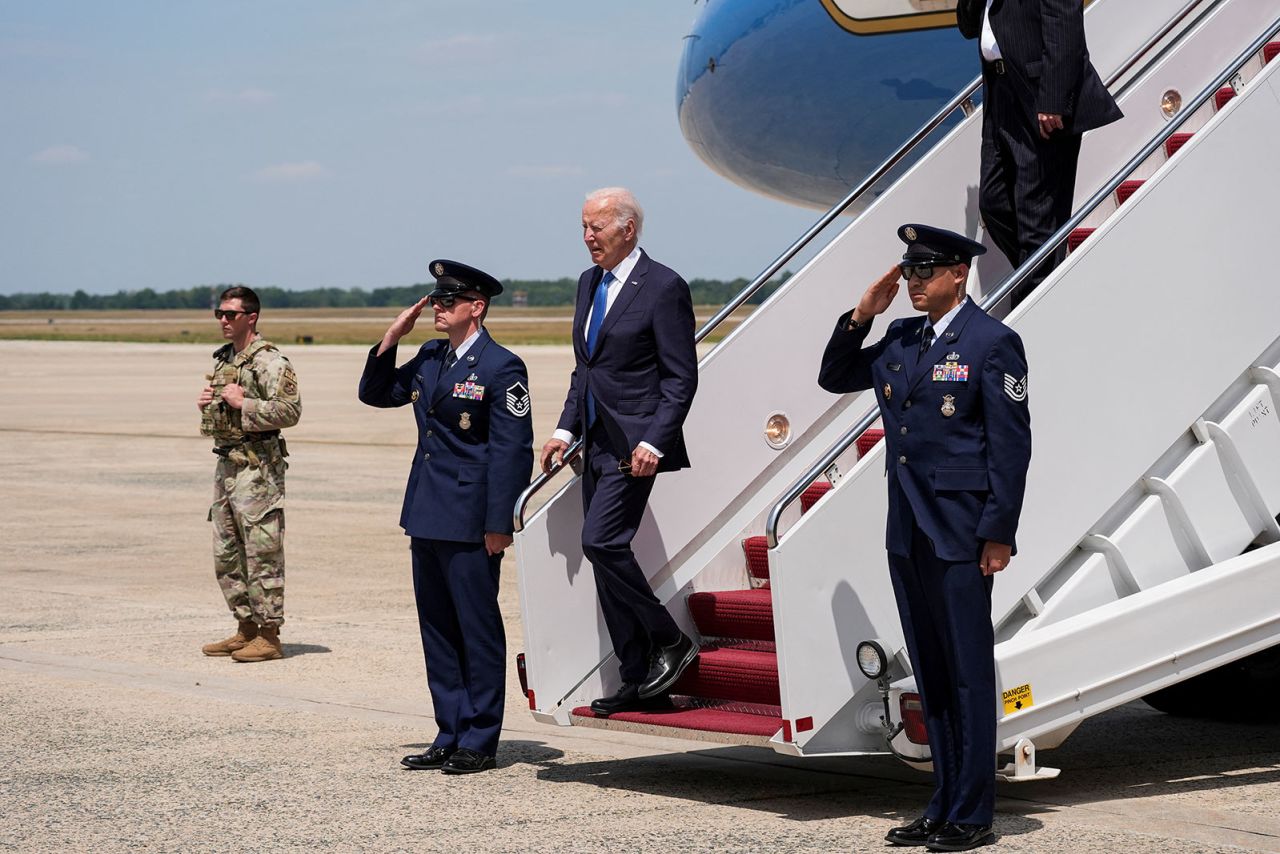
468, 391
951, 372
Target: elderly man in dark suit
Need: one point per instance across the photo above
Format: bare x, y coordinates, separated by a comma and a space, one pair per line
952, 387
1040, 93
634, 378
470, 397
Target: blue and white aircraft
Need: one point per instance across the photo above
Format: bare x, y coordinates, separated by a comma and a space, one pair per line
800, 99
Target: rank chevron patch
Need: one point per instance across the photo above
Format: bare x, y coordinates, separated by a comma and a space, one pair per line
1015, 388
518, 400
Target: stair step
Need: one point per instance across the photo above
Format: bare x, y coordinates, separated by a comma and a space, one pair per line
813, 494
868, 440
715, 725
725, 673
1222, 96
1175, 142
1127, 189
1270, 51
745, 614
1078, 236
756, 550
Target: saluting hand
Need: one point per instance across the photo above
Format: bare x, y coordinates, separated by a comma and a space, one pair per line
995, 557
402, 325
879, 296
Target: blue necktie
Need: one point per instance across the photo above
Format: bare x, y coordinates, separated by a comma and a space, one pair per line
599, 306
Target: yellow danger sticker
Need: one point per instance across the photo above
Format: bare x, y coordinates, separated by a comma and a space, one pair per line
1017, 699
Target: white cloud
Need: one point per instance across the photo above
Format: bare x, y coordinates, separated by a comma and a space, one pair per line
460, 47
59, 155
250, 95
551, 171
307, 170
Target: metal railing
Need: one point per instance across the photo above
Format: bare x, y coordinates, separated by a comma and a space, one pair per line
1016, 277
961, 101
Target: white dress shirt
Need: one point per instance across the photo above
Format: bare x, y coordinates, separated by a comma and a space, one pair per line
620, 274
466, 345
987, 43
945, 321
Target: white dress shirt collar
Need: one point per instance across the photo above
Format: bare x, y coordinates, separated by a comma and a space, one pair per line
466, 345
625, 266
945, 321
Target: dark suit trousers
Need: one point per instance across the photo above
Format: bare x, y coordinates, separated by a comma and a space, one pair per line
946, 616
613, 505
463, 640
1027, 182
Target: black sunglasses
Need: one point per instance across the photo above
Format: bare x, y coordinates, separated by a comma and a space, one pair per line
229, 313
449, 300
921, 271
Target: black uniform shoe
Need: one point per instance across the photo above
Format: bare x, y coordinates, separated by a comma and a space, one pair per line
666, 665
916, 833
467, 761
627, 699
961, 837
430, 760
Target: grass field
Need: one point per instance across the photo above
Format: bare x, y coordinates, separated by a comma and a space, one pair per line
320, 325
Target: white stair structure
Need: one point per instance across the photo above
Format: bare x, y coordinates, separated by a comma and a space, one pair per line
1154, 353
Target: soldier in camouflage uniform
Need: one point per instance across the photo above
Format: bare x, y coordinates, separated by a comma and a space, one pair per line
252, 394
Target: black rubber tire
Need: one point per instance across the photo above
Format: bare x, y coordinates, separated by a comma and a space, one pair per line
1216, 695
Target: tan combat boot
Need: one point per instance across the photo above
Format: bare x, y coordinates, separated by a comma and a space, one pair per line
265, 647
247, 631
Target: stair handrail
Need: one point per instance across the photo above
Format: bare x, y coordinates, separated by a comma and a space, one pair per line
963, 100
1016, 277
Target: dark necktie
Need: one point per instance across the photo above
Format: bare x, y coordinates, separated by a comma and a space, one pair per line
599, 305
926, 340
450, 360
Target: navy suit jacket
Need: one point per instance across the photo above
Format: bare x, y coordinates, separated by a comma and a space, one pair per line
644, 370
960, 476
1042, 43
475, 436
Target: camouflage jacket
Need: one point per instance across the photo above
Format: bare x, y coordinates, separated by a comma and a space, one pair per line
271, 398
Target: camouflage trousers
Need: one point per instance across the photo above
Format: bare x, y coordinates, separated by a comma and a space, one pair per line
248, 535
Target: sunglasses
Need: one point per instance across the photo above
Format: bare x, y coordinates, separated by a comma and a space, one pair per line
923, 272
448, 301
229, 313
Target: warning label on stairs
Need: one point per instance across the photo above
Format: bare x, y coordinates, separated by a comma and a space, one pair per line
1017, 699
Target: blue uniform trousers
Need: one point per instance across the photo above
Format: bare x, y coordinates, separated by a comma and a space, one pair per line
613, 505
463, 639
945, 609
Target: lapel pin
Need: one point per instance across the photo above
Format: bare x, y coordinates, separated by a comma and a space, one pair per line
888, 392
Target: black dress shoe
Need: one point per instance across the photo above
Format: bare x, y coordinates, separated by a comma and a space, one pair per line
667, 664
916, 833
432, 759
961, 837
627, 699
467, 761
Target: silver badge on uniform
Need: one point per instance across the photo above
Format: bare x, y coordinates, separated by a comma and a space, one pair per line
414, 396
438, 269
909, 233
518, 400
948, 405
953, 357
1015, 388
465, 421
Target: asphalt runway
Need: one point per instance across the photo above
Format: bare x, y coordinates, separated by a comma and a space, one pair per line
116, 734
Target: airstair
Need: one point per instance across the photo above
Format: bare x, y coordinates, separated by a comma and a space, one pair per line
1149, 544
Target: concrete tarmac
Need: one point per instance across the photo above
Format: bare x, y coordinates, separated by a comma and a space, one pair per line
116, 734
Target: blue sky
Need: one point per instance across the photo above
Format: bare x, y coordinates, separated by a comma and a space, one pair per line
309, 143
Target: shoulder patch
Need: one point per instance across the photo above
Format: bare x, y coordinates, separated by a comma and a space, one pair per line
1015, 388
518, 400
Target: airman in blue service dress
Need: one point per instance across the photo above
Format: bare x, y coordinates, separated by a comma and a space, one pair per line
470, 397
952, 387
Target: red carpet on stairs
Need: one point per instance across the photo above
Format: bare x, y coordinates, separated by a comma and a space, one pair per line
1174, 142
703, 720
745, 676
743, 614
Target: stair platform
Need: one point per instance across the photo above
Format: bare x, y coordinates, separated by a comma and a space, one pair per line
718, 726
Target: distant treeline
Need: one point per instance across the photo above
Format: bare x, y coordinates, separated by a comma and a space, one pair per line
536, 293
